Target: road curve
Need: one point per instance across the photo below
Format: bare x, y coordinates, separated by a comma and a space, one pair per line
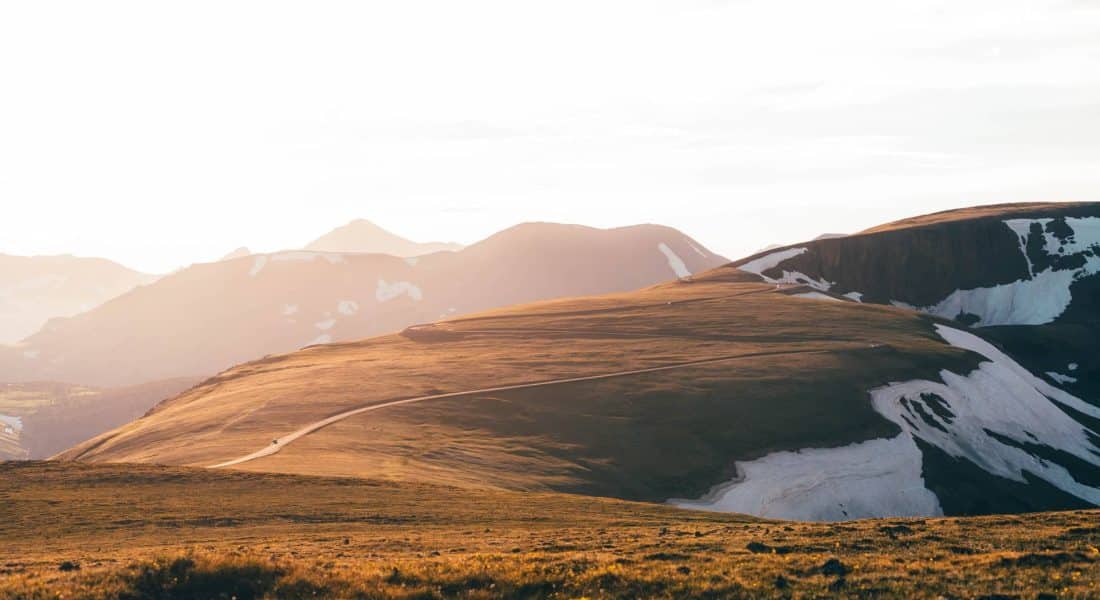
282, 442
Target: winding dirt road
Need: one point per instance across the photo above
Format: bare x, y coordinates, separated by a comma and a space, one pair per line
284, 441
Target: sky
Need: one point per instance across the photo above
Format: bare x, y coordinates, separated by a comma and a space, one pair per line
162, 134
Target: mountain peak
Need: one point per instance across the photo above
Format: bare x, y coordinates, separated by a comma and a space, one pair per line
365, 237
241, 252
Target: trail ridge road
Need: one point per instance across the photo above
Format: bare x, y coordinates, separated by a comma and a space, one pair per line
282, 442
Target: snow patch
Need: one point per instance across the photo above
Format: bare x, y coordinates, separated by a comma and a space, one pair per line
987, 417
876, 478
11, 425
1072, 366
674, 261
1063, 379
857, 296
770, 261
697, 250
817, 296
1034, 301
977, 413
347, 307
1022, 228
325, 325
389, 291
258, 263
1043, 296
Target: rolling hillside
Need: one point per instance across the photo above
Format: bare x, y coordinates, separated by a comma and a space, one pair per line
211, 316
35, 289
721, 390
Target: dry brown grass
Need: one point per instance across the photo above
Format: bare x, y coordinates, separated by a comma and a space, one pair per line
132, 531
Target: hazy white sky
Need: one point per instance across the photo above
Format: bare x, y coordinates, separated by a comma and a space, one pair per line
160, 134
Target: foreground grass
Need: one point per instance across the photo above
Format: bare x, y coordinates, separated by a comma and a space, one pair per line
79, 531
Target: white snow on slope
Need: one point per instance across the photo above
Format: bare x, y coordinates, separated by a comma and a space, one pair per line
817, 296
347, 307
1040, 299
770, 261
258, 263
857, 296
1060, 378
388, 291
1034, 301
11, 425
969, 341
840, 483
325, 325
1003, 397
1086, 234
1022, 229
1072, 366
697, 250
674, 261
876, 478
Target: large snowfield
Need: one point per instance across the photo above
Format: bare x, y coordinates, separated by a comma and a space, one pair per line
988, 417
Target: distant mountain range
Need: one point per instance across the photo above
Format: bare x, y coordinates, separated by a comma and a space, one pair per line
208, 317
35, 289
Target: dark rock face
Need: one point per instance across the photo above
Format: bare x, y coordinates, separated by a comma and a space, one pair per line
918, 267
923, 264
1026, 278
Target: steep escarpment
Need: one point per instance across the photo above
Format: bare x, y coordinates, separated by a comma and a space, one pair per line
35, 289
1026, 274
952, 264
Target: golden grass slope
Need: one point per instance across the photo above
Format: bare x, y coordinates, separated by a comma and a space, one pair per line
999, 211
130, 531
794, 373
